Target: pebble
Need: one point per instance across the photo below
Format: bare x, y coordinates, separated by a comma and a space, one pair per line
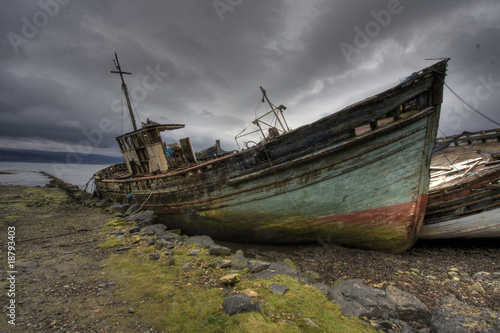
169, 261
477, 287
222, 263
154, 256
188, 266
311, 323
250, 292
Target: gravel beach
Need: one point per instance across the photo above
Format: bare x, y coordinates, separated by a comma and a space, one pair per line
58, 265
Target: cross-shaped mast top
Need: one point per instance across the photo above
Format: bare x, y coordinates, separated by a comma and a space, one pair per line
125, 90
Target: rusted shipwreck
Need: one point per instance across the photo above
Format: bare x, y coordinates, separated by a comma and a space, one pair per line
464, 195
358, 177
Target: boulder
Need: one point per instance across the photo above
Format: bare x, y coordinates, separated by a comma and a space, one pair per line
171, 237
154, 230
230, 279
355, 298
408, 307
202, 240
239, 303
161, 244
238, 261
218, 250
454, 316
275, 269
132, 209
119, 208
142, 218
277, 288
222, 263
322, 288
311, 277
256, 266
134, 229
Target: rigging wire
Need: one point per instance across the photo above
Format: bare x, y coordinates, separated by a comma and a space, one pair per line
256, 108
123, 111
470, 106
463, 101
479, 151
135, 110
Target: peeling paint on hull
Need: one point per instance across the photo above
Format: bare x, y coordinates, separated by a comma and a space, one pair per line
387, 228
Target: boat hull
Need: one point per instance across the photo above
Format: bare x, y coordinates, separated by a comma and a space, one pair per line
468, 207
481, 225
369, 192
358, 177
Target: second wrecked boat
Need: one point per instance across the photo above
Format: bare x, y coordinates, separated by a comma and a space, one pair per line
358, 177
464, 195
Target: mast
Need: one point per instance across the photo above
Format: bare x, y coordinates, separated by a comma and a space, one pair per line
125, 90
274, 108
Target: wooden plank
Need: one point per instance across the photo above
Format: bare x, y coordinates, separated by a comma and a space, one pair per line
483, 225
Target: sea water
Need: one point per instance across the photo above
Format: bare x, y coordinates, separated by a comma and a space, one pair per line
29, 174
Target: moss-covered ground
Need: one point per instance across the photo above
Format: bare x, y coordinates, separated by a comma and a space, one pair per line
71, 278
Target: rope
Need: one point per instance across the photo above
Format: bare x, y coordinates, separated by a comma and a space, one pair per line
150, 194
470, 106
276, 174
87, 184
291, 199
123, 110
479, 151
135, 110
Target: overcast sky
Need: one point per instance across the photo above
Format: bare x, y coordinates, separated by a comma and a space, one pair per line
201, 63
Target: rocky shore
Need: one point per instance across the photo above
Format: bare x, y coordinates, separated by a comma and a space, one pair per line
87, 265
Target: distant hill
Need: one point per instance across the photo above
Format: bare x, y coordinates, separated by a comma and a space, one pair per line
37, 156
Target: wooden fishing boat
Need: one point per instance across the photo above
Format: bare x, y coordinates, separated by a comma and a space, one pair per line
464, 199
358, 177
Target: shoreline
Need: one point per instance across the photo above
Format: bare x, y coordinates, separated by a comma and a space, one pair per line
63, 261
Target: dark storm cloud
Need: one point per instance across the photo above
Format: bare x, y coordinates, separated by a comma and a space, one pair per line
201, 63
